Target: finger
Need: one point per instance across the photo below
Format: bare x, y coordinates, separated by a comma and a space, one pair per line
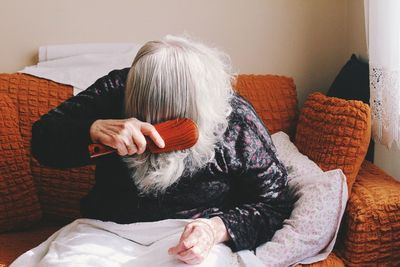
120, 146
194, 261
199, 239
181, 246
121, 150
123, 135
139, 140
189, 242
190, 253
132, 149
150, 130
188, 260
194, 255
192, 239
129, 145
192, 258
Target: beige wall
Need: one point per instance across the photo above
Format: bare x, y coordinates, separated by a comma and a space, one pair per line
305, 39
388, 159
308, 40
356, 29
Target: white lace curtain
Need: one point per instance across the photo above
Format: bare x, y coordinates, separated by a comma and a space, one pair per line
383, 37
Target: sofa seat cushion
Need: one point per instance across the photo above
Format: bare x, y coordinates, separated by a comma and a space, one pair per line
13, 244
19, 203
371, 225
331, 261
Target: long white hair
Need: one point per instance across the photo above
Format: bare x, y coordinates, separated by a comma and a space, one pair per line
177, 78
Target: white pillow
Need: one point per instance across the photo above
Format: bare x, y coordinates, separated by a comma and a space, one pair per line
296, 163
309, 234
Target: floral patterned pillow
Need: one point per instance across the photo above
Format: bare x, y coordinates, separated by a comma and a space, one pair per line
296, 163
309, 234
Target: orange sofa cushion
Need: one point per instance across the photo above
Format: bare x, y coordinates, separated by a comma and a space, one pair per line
19, 203
59, 190
370, 232
274, 99
13, 244
331, 261
334, 133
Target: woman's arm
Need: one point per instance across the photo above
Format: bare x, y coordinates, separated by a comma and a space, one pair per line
61, 137
259, 195
260, 200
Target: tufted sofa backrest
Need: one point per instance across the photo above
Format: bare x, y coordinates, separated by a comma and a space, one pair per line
273, 97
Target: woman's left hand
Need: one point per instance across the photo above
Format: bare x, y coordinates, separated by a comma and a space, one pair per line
198, 238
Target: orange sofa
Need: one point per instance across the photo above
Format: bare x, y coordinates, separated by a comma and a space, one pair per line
35, 200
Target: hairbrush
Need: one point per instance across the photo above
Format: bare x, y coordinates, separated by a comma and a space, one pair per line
177, 134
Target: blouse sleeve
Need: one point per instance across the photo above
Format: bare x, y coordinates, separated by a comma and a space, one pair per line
61, 137
260, 200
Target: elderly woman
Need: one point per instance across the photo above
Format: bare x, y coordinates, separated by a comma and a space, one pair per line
231, 182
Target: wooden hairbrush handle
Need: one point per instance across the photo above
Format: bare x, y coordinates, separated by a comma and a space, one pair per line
177, 134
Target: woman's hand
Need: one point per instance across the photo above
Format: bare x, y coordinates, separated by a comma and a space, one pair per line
198, 238
126, 135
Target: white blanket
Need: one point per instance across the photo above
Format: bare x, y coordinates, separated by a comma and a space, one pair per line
80, 65
307, 236
87, 242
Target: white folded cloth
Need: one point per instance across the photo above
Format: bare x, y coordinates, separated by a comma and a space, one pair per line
87, 242
80, 65
52, 52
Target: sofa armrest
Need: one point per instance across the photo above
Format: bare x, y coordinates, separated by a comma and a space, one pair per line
19, 202
34, 97
371, 226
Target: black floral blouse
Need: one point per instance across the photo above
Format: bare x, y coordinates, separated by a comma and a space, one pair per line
244, 184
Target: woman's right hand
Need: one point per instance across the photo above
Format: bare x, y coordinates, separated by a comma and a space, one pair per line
126, 135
